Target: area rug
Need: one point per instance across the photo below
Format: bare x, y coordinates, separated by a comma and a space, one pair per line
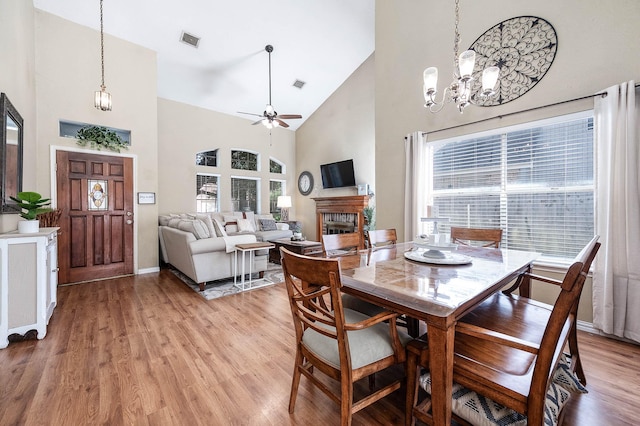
220, 288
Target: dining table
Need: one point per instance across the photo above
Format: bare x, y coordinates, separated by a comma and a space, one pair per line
401, 278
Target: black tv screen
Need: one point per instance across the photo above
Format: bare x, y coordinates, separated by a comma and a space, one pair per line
338, 175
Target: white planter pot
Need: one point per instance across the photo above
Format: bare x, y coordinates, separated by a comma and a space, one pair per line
28, 226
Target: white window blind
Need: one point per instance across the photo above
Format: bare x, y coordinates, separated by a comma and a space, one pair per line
206, 193
536, 182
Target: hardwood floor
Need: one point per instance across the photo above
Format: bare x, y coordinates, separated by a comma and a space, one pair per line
148, 350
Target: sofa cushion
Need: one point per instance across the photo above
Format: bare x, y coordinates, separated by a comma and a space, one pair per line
281, 226
245, 225
267, 224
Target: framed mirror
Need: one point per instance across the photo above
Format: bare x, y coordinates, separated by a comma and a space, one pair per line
11, 135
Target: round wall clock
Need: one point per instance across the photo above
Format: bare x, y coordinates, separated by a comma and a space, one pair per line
305, 183
524, 48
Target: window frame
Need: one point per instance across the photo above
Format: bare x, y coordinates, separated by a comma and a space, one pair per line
217, 199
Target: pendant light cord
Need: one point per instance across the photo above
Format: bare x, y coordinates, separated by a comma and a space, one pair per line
102, 46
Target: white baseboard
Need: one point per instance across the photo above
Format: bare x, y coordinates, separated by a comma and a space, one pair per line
588, 327
148, 270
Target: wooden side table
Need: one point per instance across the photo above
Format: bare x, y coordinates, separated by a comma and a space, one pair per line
251, 248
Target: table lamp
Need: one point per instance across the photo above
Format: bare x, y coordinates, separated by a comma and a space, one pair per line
284, 203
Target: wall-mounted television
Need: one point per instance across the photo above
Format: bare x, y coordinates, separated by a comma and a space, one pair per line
338, 174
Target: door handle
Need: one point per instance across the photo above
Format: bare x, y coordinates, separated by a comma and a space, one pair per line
129, 214
129, 222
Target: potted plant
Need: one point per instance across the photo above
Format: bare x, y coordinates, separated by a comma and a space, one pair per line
31, 204
297, 230
99, 137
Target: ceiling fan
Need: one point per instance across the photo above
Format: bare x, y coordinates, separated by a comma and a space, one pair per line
270, 118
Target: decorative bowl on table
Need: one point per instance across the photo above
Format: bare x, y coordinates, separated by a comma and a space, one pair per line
433, 249
438, 253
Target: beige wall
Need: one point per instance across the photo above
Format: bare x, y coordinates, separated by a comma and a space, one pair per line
185, 130
595, 44
17, 82
596, 41
341, 129
68, 73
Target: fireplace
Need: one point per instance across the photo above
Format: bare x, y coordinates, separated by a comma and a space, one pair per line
339, 215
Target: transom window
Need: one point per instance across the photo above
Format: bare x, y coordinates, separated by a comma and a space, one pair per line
207, 158
536, 182
275, 166
244, 160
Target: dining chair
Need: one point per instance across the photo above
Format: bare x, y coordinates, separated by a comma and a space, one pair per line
502, 305
342, 344
381, 237
344, 244
507, 358
489, 237
336, 244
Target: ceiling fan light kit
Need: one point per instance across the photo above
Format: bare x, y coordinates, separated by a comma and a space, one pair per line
270, 118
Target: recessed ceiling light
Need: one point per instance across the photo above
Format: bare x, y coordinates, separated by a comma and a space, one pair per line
189, 39
299, 84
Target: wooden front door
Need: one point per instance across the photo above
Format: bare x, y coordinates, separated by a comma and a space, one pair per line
95, 195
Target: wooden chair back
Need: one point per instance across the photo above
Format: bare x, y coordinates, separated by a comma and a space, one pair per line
309, 281
380, 237
340, 243
511, 357
486, 237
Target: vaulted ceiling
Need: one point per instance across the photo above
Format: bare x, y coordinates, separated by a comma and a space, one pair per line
318, 42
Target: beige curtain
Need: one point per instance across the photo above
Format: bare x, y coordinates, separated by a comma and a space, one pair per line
417, 182
616, 282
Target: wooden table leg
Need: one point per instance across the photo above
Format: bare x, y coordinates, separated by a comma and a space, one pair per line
441, 365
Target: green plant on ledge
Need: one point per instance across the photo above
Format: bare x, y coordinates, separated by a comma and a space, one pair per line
31, 204
99, 137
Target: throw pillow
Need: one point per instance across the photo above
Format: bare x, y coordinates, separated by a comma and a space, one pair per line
206, 219
230, 219
245, 225
282, 226
250, 216
195, 226
220, 231
267, 224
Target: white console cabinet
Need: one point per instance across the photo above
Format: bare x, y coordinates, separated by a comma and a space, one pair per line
28, 282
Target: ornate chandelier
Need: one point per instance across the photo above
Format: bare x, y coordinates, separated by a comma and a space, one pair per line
459, 91
102, 98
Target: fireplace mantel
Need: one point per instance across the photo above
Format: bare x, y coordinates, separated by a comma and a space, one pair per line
353, 204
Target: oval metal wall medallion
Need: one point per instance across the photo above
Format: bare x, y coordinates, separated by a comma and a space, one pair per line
524, 48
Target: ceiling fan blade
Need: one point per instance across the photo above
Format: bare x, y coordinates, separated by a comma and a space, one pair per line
282, 123
257, 122
250, 113
289, 116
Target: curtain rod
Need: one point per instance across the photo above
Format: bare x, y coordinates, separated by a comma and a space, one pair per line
603, 94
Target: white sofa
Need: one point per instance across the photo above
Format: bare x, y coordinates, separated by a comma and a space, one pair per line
199, 246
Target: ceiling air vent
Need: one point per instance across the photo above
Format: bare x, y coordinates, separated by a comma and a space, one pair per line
189, 39
299, 84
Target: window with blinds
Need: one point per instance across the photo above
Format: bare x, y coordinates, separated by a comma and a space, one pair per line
206, 193
244, 194
536, 182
